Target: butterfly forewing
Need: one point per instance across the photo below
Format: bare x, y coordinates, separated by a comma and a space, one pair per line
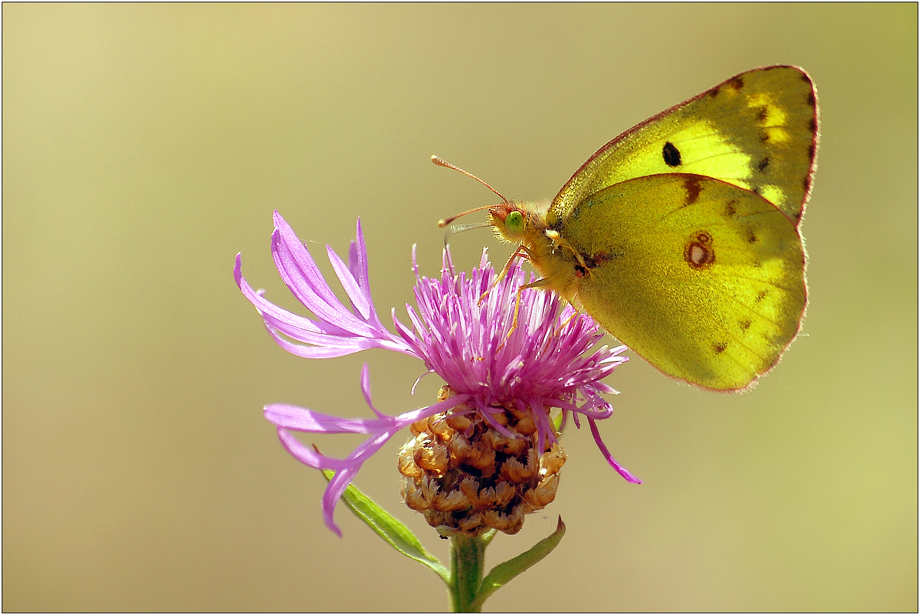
757, 130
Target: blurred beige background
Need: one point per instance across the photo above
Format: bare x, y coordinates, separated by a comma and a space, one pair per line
145, 145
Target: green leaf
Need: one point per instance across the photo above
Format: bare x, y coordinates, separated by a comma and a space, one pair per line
504, 572
389, 528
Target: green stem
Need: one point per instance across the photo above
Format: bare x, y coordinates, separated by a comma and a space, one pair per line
467, 559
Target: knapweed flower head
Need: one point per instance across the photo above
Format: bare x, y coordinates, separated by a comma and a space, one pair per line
487, 452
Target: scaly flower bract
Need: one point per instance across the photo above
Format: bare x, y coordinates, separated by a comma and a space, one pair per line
544, 363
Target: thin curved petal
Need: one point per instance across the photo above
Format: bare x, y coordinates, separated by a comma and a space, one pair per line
366, 390
302, 419
613, 462
308, 456
333, 494
354, 291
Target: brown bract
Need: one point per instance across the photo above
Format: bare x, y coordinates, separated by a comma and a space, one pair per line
464, 475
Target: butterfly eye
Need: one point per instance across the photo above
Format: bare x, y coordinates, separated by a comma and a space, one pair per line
515, 222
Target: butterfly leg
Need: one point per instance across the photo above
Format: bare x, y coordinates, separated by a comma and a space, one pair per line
521, 252
560, 242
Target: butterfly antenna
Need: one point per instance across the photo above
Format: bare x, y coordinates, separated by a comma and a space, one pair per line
443, 163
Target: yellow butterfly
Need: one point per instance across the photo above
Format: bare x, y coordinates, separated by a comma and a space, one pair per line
680, 236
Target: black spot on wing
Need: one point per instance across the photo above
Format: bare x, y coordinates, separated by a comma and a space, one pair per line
671, 155
763, 163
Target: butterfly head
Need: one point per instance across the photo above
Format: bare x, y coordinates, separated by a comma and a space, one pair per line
509, 222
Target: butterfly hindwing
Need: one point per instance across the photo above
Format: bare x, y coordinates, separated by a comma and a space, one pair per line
701, 278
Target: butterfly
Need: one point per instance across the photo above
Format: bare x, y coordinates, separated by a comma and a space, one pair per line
681, 235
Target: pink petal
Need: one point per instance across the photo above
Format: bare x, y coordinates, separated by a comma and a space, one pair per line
613, 462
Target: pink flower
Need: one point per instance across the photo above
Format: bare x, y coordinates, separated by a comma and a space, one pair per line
545, 363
